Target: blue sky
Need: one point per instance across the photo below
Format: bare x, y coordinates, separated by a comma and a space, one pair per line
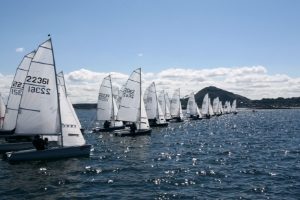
122, 35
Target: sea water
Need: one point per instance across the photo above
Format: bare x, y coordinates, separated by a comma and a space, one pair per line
251, 155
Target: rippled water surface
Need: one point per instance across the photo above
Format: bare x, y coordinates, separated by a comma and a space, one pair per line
244, 156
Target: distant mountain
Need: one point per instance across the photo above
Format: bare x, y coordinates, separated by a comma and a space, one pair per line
242, 102
223, 95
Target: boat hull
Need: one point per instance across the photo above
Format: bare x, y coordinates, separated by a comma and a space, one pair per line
126, 132
110, 129
49, 154
15, 146
159, 125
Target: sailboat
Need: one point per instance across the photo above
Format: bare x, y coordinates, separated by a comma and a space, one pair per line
192, 108
164, 102
216, 105
107, 108
210, 108
154, 112
233, 108
205, 107
175, 107
132, 108
2, 111
44, 110
14, 97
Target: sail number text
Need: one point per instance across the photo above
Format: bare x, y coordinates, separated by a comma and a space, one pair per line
38, 80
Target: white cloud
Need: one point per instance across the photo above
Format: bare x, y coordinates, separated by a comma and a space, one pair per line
19, 50
140, 54
253, 82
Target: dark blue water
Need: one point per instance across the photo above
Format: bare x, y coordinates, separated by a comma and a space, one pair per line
244, 156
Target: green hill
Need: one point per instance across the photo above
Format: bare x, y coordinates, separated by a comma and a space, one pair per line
223, 95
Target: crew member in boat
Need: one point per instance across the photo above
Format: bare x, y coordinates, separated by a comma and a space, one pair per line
106, 124
38, 143
133, 128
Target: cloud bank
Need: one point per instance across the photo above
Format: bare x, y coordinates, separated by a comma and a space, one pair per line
252, 82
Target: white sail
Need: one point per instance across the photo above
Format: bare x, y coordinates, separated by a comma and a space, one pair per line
71, 133
192, 107
130, 105
221, 111
151, 101
164, 103
216, 105
210, 109
107, 108
233, 108
176, 110
2, 111
15, 93
205, 105
38, 111
61, 79
152, 106
105, 101
168, 107
142, 122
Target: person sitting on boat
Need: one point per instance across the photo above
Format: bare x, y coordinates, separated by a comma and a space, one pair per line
38, 143
46, 143
133, 128
106, 124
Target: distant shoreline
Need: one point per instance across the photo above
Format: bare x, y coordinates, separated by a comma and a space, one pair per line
94, 106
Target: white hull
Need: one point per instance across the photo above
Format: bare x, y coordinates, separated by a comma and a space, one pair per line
49, 154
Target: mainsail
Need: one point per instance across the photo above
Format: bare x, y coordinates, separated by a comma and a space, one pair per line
38, 110
106, 107
205, 105
192, 107
152, 105
175, 108
15, 93
132, 108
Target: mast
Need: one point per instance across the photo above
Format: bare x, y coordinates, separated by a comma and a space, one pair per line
112, 100
58, 102
156, 100
179, 104
140, 97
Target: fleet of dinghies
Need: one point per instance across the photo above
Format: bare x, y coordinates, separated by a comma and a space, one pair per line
38, 105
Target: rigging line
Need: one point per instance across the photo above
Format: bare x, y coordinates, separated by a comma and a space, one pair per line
42, 63
45, 47
43, 86
30, 109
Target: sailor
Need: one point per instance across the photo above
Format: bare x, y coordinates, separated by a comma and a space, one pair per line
132, 128
106, 124
46, 143
38, 143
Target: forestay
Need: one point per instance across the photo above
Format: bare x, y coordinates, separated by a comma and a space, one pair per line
15, 93
38, 111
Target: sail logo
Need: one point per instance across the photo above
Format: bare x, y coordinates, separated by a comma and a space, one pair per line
128, 93
103, 97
